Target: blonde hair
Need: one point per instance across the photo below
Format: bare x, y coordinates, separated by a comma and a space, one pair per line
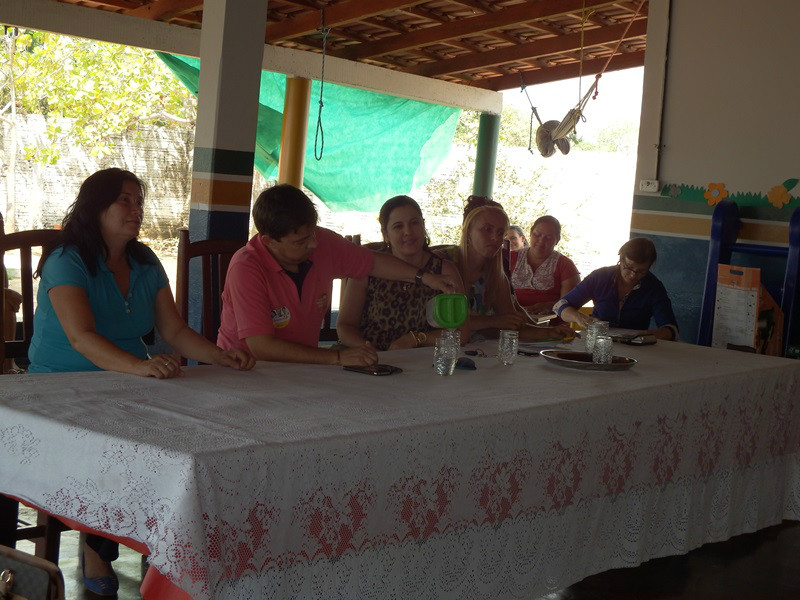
493, 270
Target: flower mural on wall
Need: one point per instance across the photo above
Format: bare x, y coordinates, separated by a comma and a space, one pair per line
779, 195
715, 193
674, 191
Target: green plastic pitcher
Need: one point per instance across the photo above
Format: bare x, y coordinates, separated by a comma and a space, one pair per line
447, 311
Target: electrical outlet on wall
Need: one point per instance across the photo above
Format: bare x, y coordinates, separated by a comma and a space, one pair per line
648, 185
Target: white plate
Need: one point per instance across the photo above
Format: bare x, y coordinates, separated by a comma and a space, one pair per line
583, 360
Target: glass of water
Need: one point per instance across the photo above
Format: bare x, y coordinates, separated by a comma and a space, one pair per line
507, 346
595, 329
445, 351
603, 351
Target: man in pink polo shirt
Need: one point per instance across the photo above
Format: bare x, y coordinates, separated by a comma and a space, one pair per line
278, 287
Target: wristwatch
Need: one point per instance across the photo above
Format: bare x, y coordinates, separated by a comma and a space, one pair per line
418, 277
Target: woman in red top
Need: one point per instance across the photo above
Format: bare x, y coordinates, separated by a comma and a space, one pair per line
541, 276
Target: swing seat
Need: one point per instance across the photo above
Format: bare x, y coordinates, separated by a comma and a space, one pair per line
546, 141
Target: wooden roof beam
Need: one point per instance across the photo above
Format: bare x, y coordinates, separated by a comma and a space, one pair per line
518, 13
548, 46
117, 4
590, 67
341, 13
163, 10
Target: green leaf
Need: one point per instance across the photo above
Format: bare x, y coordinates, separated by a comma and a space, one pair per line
790, 183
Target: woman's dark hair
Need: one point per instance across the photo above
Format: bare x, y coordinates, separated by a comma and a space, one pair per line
81, 224
548, 219
281, 209
518, 229
639, 250
397, 202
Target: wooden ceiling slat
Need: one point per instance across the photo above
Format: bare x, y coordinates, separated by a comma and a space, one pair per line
337, 14
569, 71
123, 4
483, 43
529, 50
162, 10
518, 13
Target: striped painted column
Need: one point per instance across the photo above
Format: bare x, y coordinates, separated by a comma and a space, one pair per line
231, 53
222, 183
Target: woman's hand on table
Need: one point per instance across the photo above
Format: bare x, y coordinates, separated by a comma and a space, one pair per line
359, 356
540, 308
160, 366
235, 359
573, 315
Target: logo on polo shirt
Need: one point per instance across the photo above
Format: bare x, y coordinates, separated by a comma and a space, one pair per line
281, 317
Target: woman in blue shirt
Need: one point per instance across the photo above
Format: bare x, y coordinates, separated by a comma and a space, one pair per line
626, 295
101, 290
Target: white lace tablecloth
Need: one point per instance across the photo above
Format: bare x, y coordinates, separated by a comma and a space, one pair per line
311, 482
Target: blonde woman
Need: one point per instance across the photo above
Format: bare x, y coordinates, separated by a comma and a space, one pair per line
478, 259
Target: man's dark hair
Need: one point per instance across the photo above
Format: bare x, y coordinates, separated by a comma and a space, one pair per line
282, 209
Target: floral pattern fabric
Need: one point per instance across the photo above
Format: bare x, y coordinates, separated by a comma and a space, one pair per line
310, 481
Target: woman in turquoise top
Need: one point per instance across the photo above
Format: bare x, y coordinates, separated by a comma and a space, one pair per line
101, 290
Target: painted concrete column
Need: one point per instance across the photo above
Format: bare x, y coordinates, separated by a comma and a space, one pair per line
293, 131
486, 157
231, 52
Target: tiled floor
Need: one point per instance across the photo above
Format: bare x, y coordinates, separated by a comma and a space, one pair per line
759, 566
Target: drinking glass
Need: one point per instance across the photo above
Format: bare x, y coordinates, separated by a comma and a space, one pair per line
507, 346
603, 350
594, 329
445, 351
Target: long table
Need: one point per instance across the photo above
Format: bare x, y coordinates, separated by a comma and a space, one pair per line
296, 481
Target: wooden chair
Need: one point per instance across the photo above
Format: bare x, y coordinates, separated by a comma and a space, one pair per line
327, 332
24, 241
215, 256
46, 533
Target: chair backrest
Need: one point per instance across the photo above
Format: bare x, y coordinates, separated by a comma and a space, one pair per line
24, 241
27, 576
327, 332
215, 256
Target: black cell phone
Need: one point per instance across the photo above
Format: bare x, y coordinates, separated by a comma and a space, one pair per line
375, 370
528, 352
646, 339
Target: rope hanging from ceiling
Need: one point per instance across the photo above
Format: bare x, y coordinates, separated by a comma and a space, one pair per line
552, 134
319, 134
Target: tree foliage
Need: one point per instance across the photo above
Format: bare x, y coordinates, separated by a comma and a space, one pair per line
518, 187
514, 128
88, 91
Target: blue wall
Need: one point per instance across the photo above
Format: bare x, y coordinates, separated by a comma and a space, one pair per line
681, 267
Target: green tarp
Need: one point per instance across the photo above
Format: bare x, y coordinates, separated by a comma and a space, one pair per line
376, 146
